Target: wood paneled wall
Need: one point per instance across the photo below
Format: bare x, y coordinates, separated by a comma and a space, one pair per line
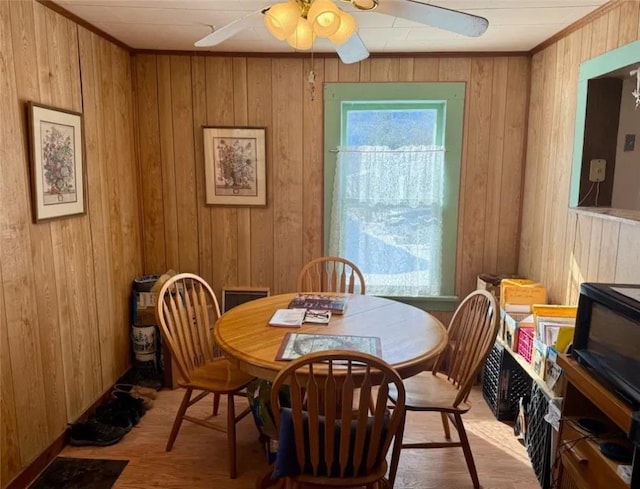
64, 284
177, 95
558, 247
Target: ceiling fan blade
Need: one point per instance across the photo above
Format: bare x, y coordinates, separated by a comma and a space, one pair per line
227, 31
440, 17
352, 50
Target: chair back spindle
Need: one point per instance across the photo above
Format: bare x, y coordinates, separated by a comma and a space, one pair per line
331, 274
323, 387
186, 311
472, 332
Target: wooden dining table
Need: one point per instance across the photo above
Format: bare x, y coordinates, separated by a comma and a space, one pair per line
409, 337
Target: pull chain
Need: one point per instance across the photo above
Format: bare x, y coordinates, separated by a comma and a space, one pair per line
311, 80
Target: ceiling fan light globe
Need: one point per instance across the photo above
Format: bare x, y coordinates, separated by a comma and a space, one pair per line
345, 31
324, 16
364, 4
282, 18
302, 37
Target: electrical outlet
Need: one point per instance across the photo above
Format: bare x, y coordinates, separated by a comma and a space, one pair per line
629, 142
596, 170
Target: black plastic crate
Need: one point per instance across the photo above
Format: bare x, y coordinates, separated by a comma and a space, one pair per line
538, 436
504, 382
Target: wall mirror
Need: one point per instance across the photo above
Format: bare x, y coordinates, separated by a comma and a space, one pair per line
606, 156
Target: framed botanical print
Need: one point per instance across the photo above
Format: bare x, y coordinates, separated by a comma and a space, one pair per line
235, 163
57, 162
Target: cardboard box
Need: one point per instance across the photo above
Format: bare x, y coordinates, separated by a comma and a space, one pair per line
146, 300
512, 323
143, 308
146, 317
502, 329
490, 283
521, 291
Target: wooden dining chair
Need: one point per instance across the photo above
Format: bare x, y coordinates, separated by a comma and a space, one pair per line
445, 389
186, 310
322, 440
331, 274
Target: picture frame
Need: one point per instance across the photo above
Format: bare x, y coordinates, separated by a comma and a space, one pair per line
235, 166
57, 168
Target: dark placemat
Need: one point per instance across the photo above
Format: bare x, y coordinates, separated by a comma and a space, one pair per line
80, 473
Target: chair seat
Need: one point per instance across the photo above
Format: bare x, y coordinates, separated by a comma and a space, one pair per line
315, 481
218, 376
428, 392
186, 309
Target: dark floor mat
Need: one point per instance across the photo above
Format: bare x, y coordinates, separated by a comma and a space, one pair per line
80, 473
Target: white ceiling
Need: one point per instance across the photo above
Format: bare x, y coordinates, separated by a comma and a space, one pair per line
514, 25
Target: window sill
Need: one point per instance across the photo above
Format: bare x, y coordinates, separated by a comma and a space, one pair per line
609, 213
440, 303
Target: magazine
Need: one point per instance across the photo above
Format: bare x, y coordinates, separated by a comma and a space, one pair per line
295, 345
337, 304
288, 318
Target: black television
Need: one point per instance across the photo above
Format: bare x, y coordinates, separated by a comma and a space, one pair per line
607, 336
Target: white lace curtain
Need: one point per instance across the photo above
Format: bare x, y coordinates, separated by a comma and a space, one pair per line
387, 217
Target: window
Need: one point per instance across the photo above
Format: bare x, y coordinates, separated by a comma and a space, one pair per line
392, 168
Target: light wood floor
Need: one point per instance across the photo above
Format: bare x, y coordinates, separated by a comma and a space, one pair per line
198, 459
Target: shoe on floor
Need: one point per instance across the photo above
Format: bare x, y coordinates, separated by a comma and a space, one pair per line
95, 433
145, 374
114, 415
135, 406
124, 396
136, 390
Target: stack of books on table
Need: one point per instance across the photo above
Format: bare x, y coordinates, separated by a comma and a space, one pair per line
337, 304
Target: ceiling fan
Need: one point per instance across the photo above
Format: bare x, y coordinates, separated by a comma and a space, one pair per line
300, 21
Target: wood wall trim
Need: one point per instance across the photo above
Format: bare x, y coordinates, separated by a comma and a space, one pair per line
136, 148
307, 55
31, 471
524, 162
607, 213
71, 16
578, 24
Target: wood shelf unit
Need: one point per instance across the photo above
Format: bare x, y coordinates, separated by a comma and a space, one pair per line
581, 464
528, 368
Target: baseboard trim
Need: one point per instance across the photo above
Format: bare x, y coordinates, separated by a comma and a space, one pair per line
33, 470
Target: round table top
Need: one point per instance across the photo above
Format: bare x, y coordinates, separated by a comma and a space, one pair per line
409, 337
